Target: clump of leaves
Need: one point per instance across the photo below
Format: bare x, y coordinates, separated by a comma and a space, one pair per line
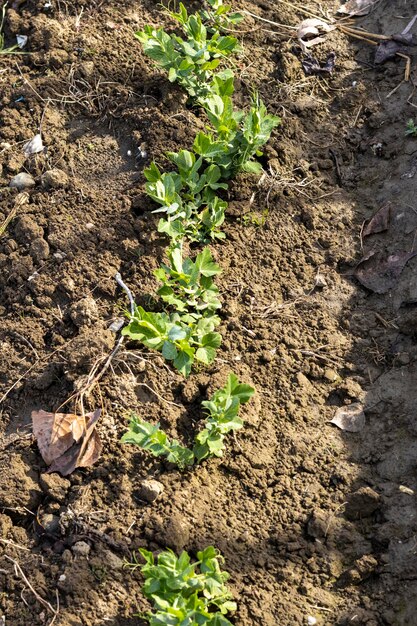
238, 136
222, 418
179, 340
188, 286
150, 437
254, 218
188, 333
188, 198
411, 128
185, 593
218, 15
223, 409
191, 61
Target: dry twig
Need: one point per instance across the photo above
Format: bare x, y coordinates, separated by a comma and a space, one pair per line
19, 572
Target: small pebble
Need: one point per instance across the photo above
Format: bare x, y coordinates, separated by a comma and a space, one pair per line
117, 325
330, 374
55, 179
81, 548
311, 621
149, 490
22, 181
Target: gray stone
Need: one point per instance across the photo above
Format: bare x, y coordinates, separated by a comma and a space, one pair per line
55, 179
150, 489
81, 548
22, 181
39, 249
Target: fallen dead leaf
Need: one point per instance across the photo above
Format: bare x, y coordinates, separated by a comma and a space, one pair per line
379, 222
350, 418
34, 146
379, 273
357, 7
308, 32
67, 441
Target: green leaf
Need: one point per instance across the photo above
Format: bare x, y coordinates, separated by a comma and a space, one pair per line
169, 351
177, 333
205, 355
183, 363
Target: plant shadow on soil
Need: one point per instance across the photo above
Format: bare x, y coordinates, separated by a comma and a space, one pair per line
276, 504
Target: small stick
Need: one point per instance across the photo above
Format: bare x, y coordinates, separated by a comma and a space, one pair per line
93, 378
356, 31
125, 288
263, 19
19, 572
158, 395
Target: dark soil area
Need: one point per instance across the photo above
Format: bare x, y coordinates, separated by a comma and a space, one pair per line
312, 521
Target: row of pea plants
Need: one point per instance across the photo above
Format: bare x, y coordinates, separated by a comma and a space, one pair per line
192, 209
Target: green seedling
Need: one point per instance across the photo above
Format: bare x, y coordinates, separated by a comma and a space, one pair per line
192, 61
411, 128
223, 409
150, 437
181, 341
238, 136
222, 418
218, 16
185, 593
188, 198
253, 218
188, 286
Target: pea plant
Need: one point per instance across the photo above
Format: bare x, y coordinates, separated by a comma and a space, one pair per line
179, 340
222, 418
218, 16
188, 198
188, 286
185, 593
238, 136
151, 438
222, 409
186, 334
192, 61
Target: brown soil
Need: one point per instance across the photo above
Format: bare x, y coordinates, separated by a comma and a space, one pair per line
311, 521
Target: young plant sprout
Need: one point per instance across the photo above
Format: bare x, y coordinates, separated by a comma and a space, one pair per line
411, 128
188, 198
222, 418
179, 340
191, 62
185, 593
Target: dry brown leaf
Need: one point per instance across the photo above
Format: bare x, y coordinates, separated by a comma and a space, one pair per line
350, 418
380, 273
65, 441
379, 222
56, 432
356, 8
83, 454
309, 30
